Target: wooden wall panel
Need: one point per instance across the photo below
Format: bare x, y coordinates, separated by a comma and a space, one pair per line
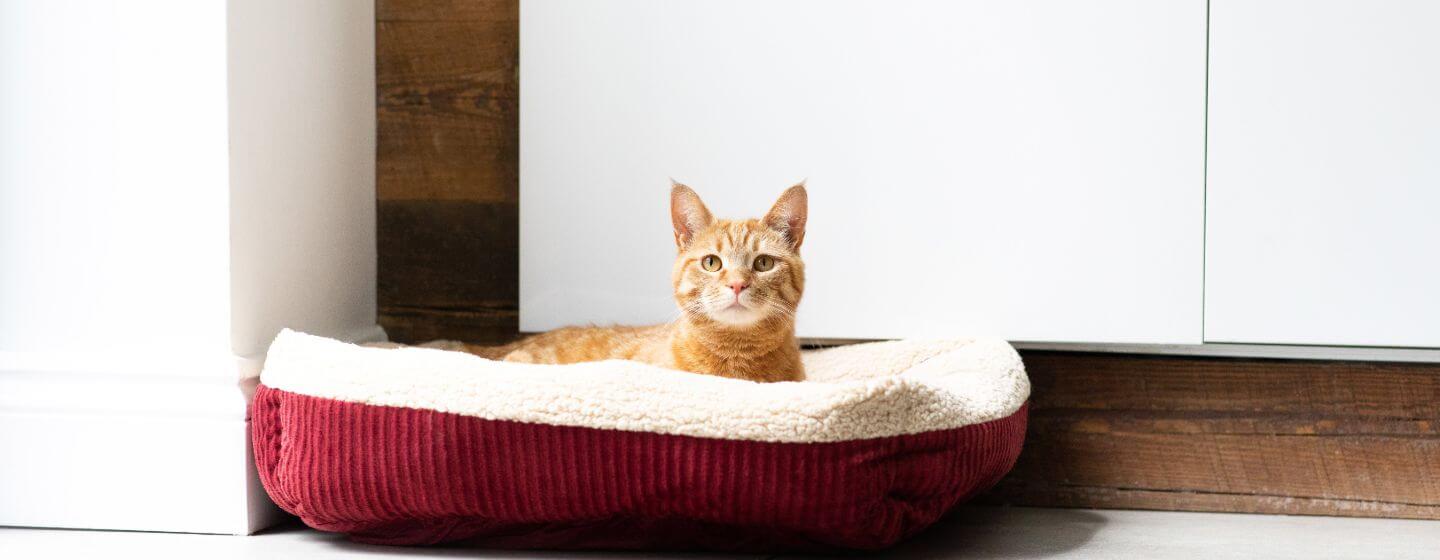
448, 115
1117, 431
447, 168
1208, 434
448, 10
447, 270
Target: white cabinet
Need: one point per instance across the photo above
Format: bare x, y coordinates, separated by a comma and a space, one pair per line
1032, 169
1038, 170
1324, 173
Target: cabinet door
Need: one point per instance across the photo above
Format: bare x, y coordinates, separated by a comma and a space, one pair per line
1324, 173
1029, 169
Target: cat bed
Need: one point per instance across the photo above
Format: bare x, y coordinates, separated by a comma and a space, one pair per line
423, 446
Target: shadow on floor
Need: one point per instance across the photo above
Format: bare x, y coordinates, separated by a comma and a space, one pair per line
970, 533
350, 548
976, 533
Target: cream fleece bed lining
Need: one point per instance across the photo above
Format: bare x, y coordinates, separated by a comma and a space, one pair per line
852, 392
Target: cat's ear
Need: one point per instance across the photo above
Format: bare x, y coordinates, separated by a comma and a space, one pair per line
687, 212
787, 216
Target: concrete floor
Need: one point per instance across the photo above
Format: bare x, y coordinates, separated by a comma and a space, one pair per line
972, 533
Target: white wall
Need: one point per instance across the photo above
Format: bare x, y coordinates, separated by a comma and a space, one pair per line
1029, 169
113, 178
178, 180
302, 169
1324, 186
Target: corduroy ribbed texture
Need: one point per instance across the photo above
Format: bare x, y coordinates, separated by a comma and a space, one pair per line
409, 476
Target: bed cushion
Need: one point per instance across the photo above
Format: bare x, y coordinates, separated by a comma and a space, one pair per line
423, 446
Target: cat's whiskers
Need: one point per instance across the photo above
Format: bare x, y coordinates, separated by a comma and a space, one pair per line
774, 304
695, 307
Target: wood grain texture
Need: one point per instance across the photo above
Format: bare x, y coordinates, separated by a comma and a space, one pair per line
1183, 500
447, 168
484, 325
1217, 434
448, 115
447, 10
448, 269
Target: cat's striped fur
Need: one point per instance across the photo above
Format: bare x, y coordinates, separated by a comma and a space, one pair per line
737, 320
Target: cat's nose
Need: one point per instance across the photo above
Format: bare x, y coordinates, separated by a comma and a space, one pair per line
739, 286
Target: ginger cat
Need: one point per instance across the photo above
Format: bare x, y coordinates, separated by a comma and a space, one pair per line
737, 283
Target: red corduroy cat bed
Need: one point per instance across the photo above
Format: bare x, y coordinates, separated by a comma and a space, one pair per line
421, 446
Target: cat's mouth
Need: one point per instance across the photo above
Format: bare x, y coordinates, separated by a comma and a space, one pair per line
735, 313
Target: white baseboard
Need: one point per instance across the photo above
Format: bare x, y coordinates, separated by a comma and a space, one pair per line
123, 458
87, 444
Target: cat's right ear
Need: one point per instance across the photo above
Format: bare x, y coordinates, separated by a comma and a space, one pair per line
687, 212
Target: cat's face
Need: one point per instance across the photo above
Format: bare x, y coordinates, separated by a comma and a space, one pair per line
738, 273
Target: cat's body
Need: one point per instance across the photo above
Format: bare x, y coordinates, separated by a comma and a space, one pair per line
737, 283
772, 357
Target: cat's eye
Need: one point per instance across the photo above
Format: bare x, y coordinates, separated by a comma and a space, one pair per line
710, 263
764, 263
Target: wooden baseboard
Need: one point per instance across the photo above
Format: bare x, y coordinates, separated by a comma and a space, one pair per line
1012, 492
1233, 435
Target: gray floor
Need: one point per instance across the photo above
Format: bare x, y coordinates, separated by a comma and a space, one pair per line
972, 533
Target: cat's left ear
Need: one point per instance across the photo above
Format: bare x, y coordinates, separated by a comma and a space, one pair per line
787, 216
688, 214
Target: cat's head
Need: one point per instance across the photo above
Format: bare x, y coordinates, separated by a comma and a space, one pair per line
738, 273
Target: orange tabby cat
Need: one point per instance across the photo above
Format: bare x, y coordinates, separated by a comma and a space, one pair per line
737, 283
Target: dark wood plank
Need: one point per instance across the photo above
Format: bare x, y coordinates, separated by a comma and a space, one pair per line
1215, 434
1178, 500
414, 325
451, 263
447, 168
1169, 383
433, 156
1369, 468
447, 10
448, 114
425, 51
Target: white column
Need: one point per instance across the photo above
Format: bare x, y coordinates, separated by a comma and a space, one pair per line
178, 180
